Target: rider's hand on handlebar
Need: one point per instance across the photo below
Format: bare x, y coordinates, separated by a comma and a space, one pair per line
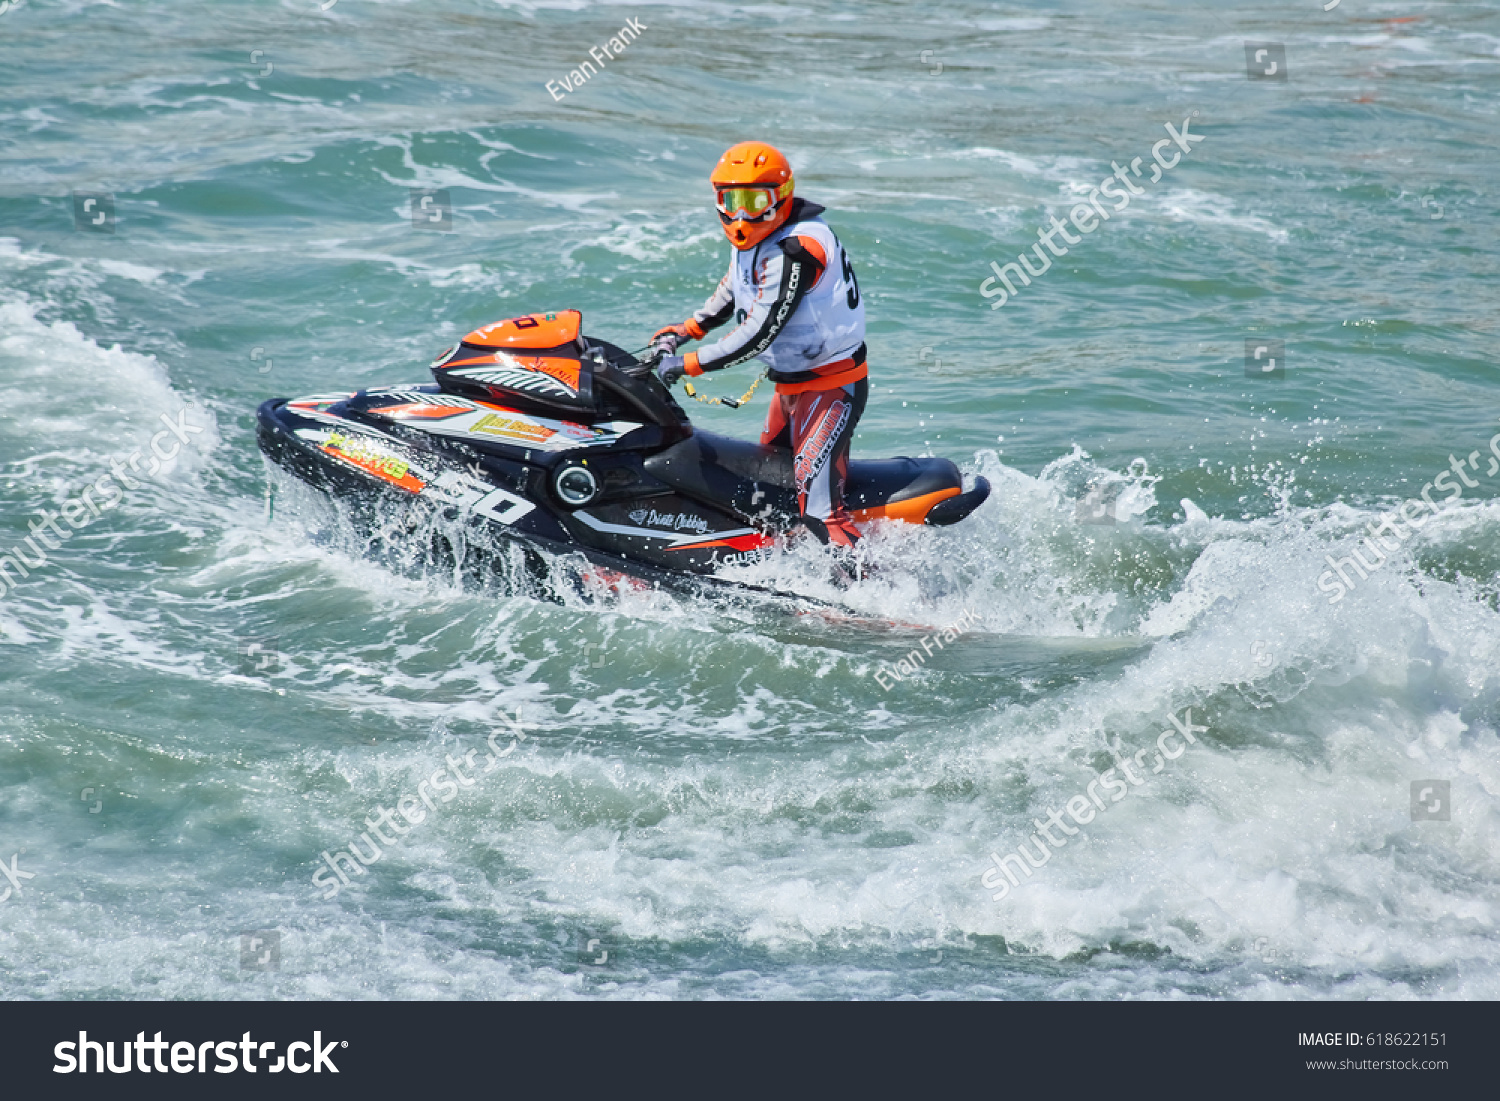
669, 369
671, 336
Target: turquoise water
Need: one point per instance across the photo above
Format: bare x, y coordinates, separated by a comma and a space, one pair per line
198, 700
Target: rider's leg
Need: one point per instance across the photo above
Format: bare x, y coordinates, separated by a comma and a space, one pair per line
822, 424
777, 432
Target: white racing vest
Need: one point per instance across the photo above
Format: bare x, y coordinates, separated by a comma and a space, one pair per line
827, 325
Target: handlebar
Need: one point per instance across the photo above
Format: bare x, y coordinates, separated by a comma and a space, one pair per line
645, 365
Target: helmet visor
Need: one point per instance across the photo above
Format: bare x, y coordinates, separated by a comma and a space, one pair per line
745, 202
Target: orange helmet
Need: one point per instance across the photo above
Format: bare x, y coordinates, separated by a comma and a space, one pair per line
753, 192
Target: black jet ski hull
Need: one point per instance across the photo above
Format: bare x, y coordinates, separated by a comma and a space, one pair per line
569, 445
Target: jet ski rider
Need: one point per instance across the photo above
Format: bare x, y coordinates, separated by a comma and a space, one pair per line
791, 293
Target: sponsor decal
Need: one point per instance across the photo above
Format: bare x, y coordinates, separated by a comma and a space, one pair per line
679, 521
445, 415
566, 371
583, 433
373, 458
735, 539
538, 375
743, 558
511, 428
814, 453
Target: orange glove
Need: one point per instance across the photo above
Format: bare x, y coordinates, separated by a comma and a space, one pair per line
677, 334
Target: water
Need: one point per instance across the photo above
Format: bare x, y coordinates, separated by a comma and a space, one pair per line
722, 800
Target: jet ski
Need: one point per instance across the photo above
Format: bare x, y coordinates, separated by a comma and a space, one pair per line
533, 433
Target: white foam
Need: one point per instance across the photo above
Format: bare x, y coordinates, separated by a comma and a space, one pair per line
135, 389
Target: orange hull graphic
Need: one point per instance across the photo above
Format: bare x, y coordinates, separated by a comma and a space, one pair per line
387, 468
913, 511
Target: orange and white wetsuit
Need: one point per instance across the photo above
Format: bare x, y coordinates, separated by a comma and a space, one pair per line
796, 307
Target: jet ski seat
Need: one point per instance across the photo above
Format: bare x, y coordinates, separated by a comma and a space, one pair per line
721, 468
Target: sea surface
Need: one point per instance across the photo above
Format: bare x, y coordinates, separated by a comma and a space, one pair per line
206, 686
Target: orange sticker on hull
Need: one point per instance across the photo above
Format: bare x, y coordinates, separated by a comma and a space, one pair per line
372, 459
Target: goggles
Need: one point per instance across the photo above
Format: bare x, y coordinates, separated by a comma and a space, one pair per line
749, 203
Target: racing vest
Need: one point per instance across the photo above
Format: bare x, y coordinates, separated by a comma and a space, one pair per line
827, 326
